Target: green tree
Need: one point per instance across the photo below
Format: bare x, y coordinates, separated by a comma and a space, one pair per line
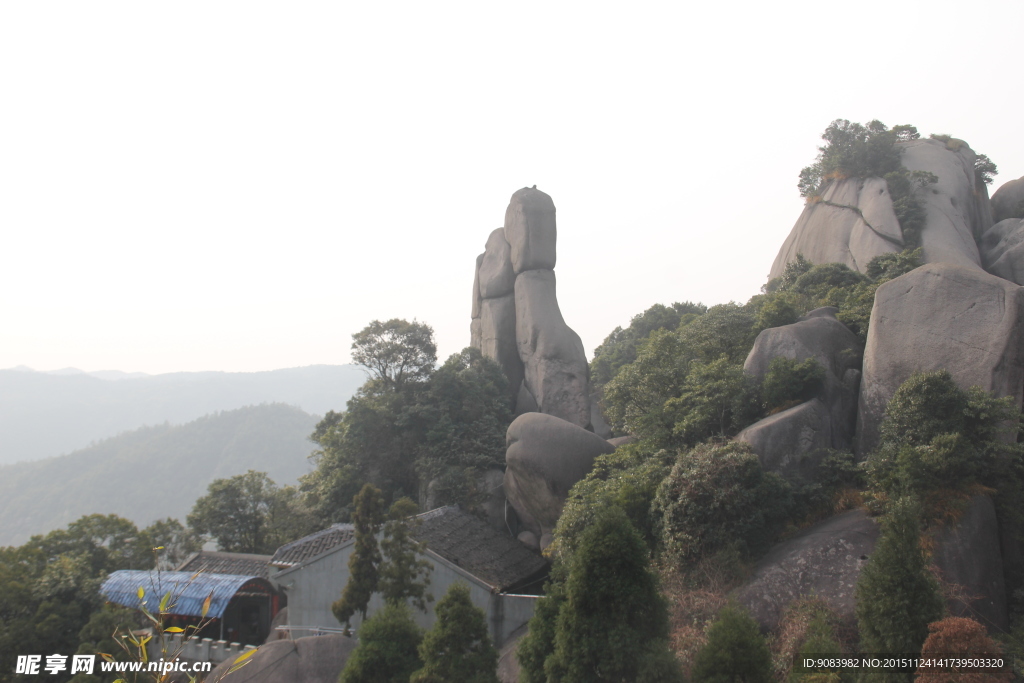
937, 436
396, 351
176, 541
99, 635
613, 623
49, 587
387, 650
539, 642
716, 399
736, 651
788, 382
461, 415
237, 512
629, 479
897, 596
716, 496
620, 347
364, 563
404, 576
457, 649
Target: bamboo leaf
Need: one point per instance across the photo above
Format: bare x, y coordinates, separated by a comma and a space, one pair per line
164, 600
206, 604
174, 629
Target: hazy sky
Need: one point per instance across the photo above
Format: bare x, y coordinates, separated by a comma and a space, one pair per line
243, 185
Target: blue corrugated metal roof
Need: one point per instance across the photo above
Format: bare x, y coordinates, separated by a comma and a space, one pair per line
188, 590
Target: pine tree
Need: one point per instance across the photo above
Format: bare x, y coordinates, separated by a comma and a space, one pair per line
403, 575
363, 565
458, 648
735, 651
897, 597
613, 624
539, 642
387, 651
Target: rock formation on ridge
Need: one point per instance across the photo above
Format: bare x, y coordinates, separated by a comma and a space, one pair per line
516, 319
855, 221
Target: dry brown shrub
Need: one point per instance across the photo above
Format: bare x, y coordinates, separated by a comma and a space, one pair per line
792, 632
694, 600
959, 636
848, 498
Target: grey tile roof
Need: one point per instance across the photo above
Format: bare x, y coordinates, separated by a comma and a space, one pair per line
471, 544
313, 545
214, 562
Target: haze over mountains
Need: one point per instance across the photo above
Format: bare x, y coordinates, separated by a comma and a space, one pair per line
44, 414
153, 472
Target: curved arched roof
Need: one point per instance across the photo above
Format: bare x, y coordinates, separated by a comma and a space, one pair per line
188, 590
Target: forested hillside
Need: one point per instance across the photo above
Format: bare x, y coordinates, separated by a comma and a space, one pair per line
153, 472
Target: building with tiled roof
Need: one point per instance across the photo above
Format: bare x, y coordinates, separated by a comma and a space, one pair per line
503, 575
469, 543
218, 562
314, 545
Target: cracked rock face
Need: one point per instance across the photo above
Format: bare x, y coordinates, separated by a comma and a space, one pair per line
824, 561
853, 224
855, 221
941, 317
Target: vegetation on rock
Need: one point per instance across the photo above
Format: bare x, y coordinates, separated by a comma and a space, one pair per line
853, 150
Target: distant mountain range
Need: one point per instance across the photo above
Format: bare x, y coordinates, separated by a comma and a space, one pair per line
43, 414
153, 472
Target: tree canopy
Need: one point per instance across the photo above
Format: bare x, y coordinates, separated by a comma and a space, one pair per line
396, 351
248, 513
457, 649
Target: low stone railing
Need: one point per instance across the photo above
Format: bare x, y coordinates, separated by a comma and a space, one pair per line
200, 649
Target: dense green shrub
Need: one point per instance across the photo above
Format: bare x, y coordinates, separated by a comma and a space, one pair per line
735, 651
539, 642
788, 382
613, 622
387, 650
620, 347
628, 479
457, 649
936, 435
716, 496
819, 641
716, 399
897, 596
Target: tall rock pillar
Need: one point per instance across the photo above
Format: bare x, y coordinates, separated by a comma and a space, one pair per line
516, 318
